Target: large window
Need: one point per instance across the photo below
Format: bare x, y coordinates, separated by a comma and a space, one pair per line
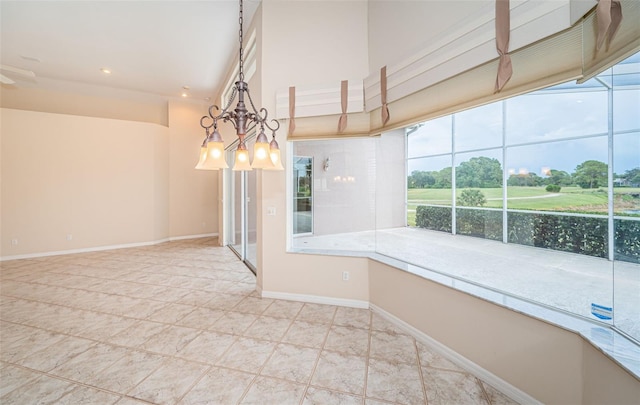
537, 196
569, 157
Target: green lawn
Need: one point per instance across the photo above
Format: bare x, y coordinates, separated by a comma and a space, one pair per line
569, 199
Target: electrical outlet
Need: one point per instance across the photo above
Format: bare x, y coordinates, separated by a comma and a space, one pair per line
69, 236
271, 210
345, 276
14, 242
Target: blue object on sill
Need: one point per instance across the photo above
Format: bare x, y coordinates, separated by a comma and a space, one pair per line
601, 312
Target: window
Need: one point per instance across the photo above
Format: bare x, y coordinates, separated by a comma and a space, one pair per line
554, 149
537, 196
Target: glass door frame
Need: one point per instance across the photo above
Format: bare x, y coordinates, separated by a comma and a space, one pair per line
239, 247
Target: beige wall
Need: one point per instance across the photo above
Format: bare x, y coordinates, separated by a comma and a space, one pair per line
99, 180
399, 28
162, 187
391, 180
551, 364
604, 382
103, 181
312, 43
85, 100
193, 197
317, 53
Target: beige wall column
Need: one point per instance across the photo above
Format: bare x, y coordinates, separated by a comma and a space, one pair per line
193, 197
299, 48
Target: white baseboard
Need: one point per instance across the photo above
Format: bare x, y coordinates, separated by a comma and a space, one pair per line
456, 358
202, 235
316, 299
83, 250
101, 248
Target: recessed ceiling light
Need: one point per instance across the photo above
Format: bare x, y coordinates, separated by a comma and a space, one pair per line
184, 94
186, 87
106, 71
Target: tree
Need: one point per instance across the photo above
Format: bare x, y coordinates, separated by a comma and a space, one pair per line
481, 172
525, 180
559, 178
420, 179
433, 179
443, 178
471, 198
632, 177
591, 174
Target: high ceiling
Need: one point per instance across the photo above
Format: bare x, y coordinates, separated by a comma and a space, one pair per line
154, 47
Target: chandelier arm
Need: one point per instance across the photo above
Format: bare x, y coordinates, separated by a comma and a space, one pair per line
213, 116
266, 124
263, 119
207, 127
227, 116
253, 125
252, 117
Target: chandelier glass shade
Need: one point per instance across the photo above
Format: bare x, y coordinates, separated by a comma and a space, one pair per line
212, 152
274, 154
266, 155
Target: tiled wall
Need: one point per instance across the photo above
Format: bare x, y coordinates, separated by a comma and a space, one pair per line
362, 186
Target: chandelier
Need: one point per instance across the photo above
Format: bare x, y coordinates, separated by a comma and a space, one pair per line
266, 155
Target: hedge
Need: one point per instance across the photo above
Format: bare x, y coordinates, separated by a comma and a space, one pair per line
575, 234
627, 240
582, 235
481, 223
434, 218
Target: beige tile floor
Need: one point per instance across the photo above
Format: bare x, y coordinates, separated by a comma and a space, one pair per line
181, 323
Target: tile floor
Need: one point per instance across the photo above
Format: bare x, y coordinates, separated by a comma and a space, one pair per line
181, 323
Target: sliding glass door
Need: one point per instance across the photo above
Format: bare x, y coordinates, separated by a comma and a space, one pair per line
251, 221
302, 198
241, 215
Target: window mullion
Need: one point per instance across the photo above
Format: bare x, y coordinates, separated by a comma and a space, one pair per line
611, 230
453, 175
505, 178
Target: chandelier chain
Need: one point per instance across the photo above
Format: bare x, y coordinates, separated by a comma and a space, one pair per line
231, 98
241, 69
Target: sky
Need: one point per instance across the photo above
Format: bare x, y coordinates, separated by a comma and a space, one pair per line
558, 114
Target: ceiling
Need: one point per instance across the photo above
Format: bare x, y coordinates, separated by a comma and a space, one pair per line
152, 47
